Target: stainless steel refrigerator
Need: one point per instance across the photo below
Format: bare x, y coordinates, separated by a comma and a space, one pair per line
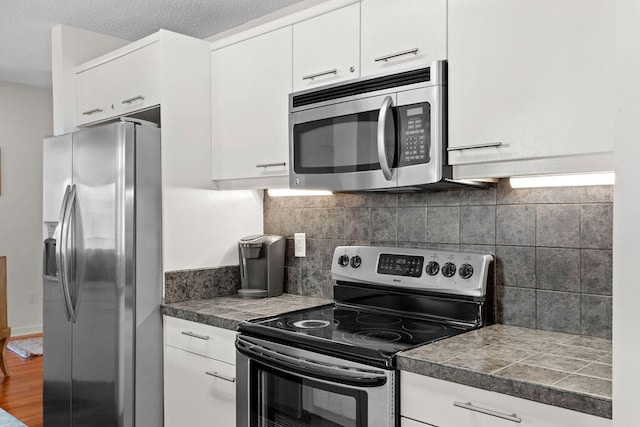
103, 277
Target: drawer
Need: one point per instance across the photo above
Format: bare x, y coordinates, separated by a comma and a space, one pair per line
205, 340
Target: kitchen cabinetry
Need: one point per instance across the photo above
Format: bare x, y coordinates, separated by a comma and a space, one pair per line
402, 34
96, 88
433, 402
326, 48
199, 374
251, 82
530, 86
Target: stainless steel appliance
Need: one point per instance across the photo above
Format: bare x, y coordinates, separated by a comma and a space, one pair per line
334, 365
261, 265
372, 133
103, 278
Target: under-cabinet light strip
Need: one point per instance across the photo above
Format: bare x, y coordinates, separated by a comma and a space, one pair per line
570, 180
286, 192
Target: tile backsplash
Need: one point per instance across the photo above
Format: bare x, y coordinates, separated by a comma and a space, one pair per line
552, 246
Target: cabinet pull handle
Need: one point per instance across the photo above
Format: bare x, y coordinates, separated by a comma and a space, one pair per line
222, 377
469, 406
90, 112
385, 58
135, 98
194, 335
324, 73
269, 165
472, 147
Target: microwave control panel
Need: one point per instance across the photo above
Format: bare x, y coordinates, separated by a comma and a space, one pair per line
415, 134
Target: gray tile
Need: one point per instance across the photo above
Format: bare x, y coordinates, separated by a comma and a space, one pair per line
444, 198
559, 363
315, 282
596, 312
292, 282
322, 223
480, 249
607, 358
596, 271
412, 224
478, 224
517, 306
516, 225
511, 196
516, 266
558, 311
532, 374
558, 269
558, 226
476, 196
357, 223
594, 343
597, 226
290, 258
381, 200
577, 352
383, 224
595, 386
443, 225
418, 198
560, 195
478, 363
598, 370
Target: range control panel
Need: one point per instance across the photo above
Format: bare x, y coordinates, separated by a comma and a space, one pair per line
461, 273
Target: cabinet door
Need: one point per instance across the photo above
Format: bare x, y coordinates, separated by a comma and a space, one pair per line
138, 79
326, 49
402, 34
96, 87
251, 81
534, 76
193, 396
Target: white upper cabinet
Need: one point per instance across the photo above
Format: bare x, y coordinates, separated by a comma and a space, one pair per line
402, 34
251, 81
326, 48
138, 79
530, 86
96, 87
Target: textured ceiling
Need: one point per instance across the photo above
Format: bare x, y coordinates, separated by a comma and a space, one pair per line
25, 25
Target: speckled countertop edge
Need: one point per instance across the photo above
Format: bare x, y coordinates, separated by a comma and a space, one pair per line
531, 364
228, 312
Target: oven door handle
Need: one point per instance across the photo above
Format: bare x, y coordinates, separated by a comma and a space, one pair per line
339, 374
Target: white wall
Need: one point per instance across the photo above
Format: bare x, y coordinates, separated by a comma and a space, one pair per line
25, 117
626, 216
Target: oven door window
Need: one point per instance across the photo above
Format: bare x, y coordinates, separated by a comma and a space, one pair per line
279, 399
342, 144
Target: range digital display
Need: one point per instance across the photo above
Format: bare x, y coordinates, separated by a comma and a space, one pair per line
400, 265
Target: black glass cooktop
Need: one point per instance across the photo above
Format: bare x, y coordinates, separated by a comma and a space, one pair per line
348, 331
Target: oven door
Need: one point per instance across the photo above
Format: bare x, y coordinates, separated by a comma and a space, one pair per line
281, 386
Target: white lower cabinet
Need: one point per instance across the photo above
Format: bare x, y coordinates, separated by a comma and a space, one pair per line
199, 390
432, 402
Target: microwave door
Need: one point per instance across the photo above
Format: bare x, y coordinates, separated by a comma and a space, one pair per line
336, 146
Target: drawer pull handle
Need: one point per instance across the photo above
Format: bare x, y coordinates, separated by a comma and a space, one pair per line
135, 98
386, 58
323, 73
472, 147
90, 112
269, 165
194, 335
222, 377
469, 406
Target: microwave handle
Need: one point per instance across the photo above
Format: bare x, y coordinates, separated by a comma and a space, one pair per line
382, 123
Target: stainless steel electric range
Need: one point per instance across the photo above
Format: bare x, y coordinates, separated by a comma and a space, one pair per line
334, 365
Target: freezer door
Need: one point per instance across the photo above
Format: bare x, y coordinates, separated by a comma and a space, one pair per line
103, 276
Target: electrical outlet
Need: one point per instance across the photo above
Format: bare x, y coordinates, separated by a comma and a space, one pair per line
300, 244
32, 297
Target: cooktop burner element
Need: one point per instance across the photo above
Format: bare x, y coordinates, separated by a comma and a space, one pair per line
391, 300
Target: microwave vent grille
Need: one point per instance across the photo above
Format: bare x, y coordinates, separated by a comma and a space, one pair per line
371, 85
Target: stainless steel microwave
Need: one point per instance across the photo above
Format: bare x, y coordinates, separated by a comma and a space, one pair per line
375, 133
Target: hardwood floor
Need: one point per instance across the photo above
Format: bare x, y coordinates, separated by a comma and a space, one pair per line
21, 393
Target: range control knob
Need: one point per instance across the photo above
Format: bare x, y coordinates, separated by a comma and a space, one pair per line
432, 268
343, 260
356, 261
466, 271
449, 269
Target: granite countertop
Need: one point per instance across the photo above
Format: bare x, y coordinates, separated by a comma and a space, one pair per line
228, 312
569, 371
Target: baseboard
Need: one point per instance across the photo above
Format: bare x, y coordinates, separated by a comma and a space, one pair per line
26, 330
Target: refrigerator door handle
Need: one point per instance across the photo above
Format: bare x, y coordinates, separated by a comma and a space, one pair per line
64, 252
59, 257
